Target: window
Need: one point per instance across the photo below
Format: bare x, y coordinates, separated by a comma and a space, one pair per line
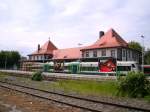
129, 54
112, 53
134, 55
82, 55
147, 70
124, 53
30, 57
33, 57
103, 52
124, 68
37, 57
94, 53
133, 66
42, 57
87, 53
47, 57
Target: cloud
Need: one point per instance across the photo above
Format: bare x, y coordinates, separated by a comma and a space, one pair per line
25, 23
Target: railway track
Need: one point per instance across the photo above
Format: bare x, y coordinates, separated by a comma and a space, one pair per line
74, 101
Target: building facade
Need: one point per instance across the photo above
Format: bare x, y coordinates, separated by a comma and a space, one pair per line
44, 53
108, 45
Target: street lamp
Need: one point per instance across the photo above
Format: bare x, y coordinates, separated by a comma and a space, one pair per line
142, 53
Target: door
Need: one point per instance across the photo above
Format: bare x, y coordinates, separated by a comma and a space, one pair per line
74, 69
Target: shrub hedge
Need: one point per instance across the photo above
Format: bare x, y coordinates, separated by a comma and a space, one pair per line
37, 76
134, 85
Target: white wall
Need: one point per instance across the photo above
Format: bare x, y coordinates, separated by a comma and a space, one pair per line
99, 52
108, 54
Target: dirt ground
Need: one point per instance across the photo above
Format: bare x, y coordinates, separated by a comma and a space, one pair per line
11, 101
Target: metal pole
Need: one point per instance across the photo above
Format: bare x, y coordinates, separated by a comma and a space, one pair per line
116, 65
142, 53
79, 44
80, 54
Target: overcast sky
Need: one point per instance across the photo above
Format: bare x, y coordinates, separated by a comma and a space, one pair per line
25, 23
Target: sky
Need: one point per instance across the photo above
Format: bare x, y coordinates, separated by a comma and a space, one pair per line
26, 23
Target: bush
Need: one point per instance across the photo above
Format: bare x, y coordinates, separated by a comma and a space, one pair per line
134, 85
37, 76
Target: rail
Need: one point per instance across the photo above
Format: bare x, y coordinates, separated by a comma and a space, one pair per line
66, 99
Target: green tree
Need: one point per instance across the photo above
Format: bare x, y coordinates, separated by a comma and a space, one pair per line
135, 45
147, 57
9, 58
2, 59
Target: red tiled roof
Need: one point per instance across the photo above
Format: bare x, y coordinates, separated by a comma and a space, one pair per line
47, 48
69, 53
109, 39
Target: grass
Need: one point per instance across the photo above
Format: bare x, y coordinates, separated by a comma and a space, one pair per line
27, 81
95, 88
147, 98
89, 87
2, 75
82, 87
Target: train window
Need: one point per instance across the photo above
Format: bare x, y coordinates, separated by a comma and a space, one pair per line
124, 68
133, 65
147, 69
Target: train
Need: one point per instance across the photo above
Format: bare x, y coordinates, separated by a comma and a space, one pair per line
146, 70
109, 67
106, 68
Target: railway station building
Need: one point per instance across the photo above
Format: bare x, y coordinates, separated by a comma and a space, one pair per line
108, 47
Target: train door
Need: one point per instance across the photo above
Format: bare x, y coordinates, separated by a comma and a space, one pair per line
74, 69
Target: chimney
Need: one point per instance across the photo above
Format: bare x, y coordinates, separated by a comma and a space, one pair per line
101, 33
38, 47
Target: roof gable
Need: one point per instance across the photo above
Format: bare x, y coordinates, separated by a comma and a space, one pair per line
110, 39
47, 48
